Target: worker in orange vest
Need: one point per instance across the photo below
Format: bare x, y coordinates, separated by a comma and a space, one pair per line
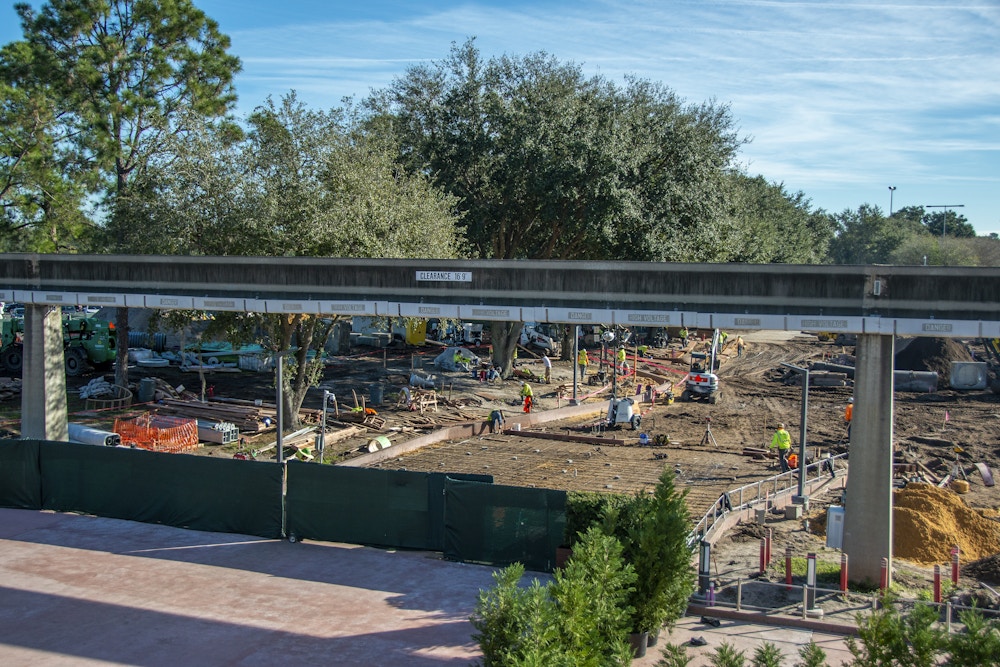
848, 415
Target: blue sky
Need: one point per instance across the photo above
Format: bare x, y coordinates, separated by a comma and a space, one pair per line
841, 99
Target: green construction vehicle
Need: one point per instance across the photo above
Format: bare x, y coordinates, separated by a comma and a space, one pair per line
87, 341
10, 344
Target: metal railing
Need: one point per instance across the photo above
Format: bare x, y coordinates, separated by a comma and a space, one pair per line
748, 495
803, 600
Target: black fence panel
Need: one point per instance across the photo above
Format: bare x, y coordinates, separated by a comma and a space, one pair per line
359, 506
20, 476
500, 525
197, 492
386, 508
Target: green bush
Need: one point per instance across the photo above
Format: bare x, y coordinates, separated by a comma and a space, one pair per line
585, 509
889, 638
726, 655
979, 644
581, 618
653, 531
812, 655
767, 655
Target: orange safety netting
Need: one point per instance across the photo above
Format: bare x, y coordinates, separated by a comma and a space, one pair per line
158, 433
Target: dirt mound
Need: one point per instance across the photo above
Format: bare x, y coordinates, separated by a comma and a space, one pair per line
928, 521
931, 354
985, 569
748, 532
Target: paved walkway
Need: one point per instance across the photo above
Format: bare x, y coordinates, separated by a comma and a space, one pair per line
87, 590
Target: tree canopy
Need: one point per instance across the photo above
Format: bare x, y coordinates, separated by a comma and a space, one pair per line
122, 75
298, 182
550, 163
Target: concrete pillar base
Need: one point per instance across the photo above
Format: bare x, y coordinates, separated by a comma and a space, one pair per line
43, 385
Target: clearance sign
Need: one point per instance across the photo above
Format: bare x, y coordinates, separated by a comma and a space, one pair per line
445, 276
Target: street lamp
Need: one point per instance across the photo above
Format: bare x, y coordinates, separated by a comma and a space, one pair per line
892, 189
944, 221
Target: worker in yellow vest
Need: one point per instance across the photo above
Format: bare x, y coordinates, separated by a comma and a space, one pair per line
582, 360
783, 442
527, 395
620, 357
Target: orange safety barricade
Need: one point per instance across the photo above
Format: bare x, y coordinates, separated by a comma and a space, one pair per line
158, 433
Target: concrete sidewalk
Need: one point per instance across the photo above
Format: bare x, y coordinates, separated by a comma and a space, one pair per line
80, 589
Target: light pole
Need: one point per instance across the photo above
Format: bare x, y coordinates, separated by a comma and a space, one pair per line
892, 189
944, 221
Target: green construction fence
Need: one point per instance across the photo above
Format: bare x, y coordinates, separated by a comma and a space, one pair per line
500, 525
196, 492
466, 517
391, 508
20, 475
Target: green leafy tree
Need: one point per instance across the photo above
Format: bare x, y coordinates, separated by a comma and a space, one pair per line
948, 222
866, 236
987, 250
770, 225
921, 249
299, 182
42, 180
122, 75
548, 163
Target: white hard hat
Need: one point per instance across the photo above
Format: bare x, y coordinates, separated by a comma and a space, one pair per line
850, 400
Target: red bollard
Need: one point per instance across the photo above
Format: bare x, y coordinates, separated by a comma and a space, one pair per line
954, 565
937, 584
883, 576
763, 553
770, 536
843, 572
788, 567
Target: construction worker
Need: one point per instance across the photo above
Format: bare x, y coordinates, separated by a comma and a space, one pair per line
783, 441
848, 415
683, 333
460, 362
548, 368
620, 357
496, 421
582, 360
740, 346
527, 395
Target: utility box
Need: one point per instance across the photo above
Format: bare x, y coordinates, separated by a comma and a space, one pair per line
835, 527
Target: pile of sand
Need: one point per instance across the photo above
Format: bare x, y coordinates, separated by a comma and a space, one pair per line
928, 521
931, 354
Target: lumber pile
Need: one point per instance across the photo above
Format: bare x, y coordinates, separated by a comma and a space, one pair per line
247, 416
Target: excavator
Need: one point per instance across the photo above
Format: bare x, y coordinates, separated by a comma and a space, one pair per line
702, 383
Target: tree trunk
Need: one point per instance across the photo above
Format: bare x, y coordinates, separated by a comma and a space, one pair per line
504, 337
121, 347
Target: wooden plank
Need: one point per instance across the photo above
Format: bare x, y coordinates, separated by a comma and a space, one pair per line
984, 471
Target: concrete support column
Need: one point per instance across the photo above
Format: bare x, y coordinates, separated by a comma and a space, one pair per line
868, 515
43, 384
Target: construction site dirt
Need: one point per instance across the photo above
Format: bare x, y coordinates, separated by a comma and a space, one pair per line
710, 446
